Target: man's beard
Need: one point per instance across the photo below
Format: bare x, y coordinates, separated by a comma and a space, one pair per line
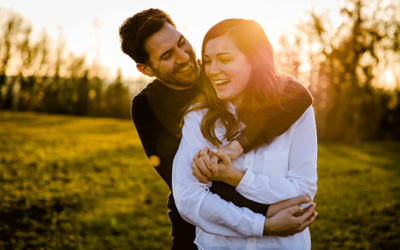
171, 78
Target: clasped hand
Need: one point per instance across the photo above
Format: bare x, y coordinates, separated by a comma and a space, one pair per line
216, 165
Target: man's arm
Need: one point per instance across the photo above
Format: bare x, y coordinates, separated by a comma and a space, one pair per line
293, 103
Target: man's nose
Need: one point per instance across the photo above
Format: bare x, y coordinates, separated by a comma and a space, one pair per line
183, 57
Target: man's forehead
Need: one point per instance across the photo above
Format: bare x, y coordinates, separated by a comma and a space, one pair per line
162, 41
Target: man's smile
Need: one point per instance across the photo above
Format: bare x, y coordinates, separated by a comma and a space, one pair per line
184, 68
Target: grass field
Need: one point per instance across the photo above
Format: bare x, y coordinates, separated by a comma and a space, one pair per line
84, 183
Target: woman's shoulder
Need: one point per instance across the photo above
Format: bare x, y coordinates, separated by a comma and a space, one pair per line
307, 116
196, 112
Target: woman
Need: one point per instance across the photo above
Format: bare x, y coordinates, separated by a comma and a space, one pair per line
241, 84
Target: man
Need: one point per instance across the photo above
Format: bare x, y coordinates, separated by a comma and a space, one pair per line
150, 38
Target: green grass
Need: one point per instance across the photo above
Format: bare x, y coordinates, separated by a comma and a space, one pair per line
85, 183
358, 197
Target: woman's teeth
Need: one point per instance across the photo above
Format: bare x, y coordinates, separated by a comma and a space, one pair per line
184, 69
220, 82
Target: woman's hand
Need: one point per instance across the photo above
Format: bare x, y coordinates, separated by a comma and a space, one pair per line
226, 172
215, 165
201, 167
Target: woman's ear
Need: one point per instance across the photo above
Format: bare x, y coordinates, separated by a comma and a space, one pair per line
144, 69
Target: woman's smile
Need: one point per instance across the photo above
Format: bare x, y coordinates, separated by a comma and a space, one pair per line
221, 83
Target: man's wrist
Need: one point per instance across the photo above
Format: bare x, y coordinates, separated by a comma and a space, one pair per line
267, 225
236, 149
268, 229
244, 143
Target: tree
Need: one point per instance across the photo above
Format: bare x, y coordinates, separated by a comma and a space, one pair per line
349, 106
11, 25
117, 99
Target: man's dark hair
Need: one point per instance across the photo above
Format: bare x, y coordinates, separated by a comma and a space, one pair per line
136, 29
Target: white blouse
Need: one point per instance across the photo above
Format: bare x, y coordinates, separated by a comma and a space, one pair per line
281, 170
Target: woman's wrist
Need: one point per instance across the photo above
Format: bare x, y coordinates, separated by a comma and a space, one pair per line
235, 176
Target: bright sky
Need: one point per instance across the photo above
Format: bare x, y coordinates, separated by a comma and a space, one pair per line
192, 17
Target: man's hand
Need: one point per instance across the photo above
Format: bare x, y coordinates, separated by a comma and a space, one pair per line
285, 223
204, 164
233, 150
276, 207
215, 165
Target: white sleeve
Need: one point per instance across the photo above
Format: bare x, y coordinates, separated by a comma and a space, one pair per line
301, 177
196, 203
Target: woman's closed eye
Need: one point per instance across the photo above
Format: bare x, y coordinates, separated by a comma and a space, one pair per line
225, 60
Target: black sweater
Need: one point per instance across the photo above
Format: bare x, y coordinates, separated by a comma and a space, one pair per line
157, 113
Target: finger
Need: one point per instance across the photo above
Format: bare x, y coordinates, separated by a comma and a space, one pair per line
224, 157
298, 200
308, 222
307, 214
205, 156
226, 149
287, 203
214, 165
199, 176
295, 201
300, 213
295, 209
196, 156
202, 167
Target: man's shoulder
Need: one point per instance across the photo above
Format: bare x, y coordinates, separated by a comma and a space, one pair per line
295, 88
140, 104
141, 97
295, 96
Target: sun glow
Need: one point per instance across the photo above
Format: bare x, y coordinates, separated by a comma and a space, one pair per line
92, 29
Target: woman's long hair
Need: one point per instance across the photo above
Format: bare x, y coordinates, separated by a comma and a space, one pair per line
261, 93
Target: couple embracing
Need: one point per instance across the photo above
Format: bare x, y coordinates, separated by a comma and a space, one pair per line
233, 138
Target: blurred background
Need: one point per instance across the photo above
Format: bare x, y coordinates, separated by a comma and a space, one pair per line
73, 173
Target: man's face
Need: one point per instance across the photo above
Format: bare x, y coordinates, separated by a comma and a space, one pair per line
172, 58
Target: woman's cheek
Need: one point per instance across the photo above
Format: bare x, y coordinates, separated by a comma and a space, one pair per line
207, 69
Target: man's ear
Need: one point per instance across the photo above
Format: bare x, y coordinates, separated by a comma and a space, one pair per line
144, 69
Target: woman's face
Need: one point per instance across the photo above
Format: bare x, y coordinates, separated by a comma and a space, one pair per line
227, 68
